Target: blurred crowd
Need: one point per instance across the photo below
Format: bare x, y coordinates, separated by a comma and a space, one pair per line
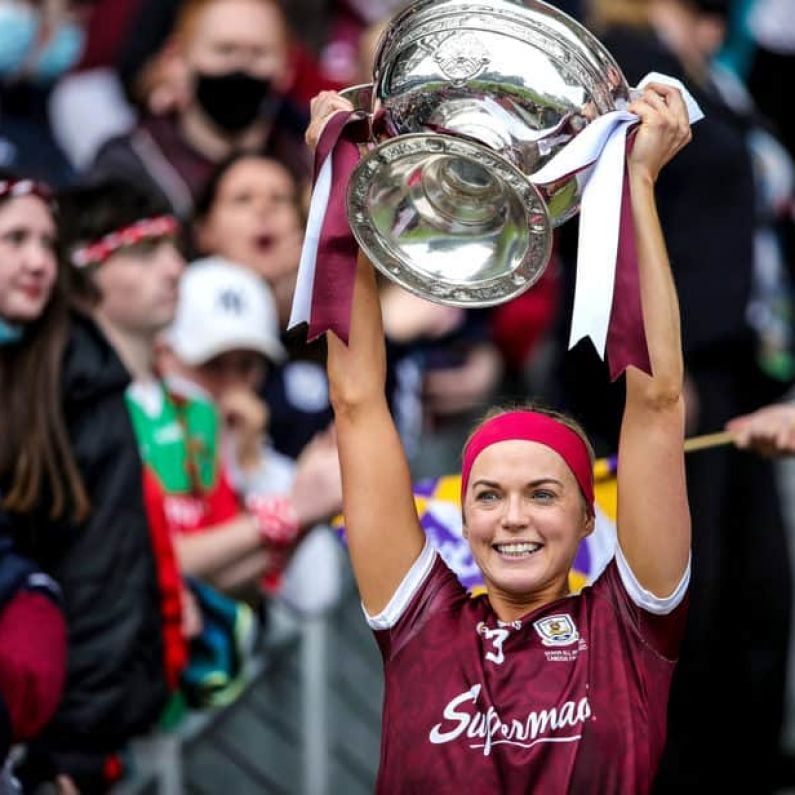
168, 470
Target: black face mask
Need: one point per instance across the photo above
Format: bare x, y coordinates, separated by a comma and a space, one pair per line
232, 100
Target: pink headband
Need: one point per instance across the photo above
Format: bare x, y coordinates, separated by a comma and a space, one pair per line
146, 229
531, 426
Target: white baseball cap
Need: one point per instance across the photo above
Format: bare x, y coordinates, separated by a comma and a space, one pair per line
222, 307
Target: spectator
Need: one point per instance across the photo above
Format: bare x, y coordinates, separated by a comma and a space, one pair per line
250, 214
351, 23
70, 475
32, 664
124, 247
460, 369
772, 28
88, 106
223, 343
32, 315
39, 42
769, 430
227, 69
150, 27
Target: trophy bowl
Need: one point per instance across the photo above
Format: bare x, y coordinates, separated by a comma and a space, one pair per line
468, 101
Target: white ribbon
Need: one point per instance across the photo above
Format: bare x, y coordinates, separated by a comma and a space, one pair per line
302, 297
597, 156
597, 249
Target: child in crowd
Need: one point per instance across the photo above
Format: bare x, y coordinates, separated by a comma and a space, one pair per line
222, 345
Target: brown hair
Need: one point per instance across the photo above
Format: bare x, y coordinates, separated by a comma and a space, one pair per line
190, 11
36, 460
208, 195
601, 14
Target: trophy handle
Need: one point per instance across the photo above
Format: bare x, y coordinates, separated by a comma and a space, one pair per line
360, 96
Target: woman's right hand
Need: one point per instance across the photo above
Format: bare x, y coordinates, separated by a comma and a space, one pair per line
322, 108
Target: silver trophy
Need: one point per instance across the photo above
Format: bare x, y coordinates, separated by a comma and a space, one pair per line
468, 101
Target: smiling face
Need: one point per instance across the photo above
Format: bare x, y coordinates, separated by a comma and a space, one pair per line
254, 219
524, 517
28, 264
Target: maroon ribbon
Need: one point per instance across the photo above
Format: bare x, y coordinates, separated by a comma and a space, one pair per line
626, 334
335, 269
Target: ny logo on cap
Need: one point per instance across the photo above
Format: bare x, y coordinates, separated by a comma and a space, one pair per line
232, 301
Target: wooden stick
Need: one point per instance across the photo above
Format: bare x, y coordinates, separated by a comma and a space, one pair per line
605, 468
708, 440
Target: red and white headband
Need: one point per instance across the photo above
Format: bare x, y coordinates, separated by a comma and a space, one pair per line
146, 229
14, 188
532, 426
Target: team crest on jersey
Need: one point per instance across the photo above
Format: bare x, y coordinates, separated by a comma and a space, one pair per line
558, 630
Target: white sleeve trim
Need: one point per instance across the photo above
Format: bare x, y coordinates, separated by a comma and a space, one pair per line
659, 606
411, 583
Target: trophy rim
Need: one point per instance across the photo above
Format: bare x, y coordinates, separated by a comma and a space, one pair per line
478, 294
575, 48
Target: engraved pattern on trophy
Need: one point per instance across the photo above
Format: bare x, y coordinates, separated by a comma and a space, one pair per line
468, 101
479, 17
461, 58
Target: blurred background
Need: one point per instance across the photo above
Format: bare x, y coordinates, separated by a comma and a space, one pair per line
170, 134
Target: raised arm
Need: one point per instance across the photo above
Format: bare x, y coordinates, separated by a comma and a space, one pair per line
653, 514
383, 532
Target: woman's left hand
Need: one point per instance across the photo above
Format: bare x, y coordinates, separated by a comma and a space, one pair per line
664, 129
322, 108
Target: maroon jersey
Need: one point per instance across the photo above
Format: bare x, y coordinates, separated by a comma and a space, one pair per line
571, 698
